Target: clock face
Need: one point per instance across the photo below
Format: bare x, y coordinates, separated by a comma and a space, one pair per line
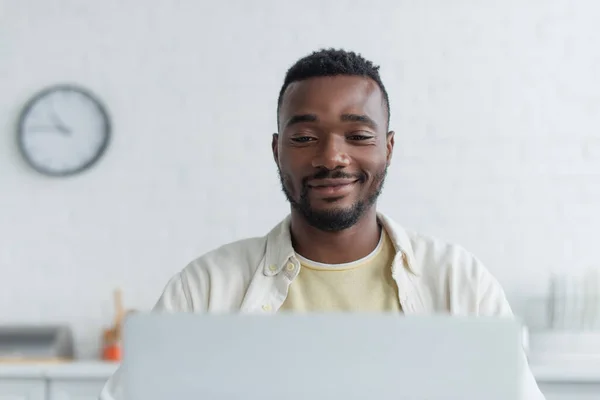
63, 130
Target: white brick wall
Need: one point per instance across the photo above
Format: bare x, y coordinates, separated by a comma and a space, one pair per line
496, 107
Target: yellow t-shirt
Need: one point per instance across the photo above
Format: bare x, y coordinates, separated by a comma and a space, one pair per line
364, 285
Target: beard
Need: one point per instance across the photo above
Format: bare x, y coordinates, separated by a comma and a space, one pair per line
333, 219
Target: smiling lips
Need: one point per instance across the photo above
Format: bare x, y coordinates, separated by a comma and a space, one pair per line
328, 187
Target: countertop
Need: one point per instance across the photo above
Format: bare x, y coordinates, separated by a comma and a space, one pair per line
566, 370
67, 370
548, 371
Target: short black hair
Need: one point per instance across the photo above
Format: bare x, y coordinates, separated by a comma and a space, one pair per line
332, 62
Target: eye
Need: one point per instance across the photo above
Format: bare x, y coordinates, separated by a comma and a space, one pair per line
302, 139
360, 136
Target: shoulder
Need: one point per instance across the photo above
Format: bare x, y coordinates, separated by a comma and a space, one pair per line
219, 279
238, 257
453, 275
216, 280
233, 261
448, 277
439, 257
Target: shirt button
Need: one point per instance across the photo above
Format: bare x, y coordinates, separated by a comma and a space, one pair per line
266, 307
290, 267
272, 268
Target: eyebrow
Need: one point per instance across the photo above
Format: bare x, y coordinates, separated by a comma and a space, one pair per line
360, 118
298, 119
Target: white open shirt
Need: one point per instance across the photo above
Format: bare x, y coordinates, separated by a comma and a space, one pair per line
253, 275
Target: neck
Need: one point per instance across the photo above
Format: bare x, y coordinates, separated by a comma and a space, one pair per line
340, 247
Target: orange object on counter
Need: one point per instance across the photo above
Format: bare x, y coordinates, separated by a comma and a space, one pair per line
111, 348
112, 353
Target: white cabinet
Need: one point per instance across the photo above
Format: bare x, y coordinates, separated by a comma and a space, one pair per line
570, 391
568, 378
85, 380
68, 381
74, 389
22, 389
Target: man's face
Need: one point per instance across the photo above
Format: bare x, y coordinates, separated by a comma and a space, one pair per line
333, 148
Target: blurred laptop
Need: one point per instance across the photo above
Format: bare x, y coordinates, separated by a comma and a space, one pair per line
320, 356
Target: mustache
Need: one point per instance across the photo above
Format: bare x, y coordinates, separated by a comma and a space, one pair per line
333, 174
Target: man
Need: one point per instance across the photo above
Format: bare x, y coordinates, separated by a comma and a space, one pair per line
335, 251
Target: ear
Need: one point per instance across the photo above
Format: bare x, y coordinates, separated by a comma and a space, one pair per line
274, 148
389, 146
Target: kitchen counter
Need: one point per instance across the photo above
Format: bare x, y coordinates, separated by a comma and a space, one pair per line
84, 380
566, 370
67, 370
572, 370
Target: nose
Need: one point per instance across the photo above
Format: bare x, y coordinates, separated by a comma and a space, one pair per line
331, 154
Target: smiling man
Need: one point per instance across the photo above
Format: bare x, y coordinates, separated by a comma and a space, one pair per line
332, 152
335, 251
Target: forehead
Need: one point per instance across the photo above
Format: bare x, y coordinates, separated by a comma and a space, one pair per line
332, 96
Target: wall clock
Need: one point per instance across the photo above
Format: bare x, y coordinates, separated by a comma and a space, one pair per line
63, 130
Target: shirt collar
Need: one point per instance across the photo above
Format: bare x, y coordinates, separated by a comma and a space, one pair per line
279, 249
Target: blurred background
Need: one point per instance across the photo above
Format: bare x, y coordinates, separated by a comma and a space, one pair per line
496, 108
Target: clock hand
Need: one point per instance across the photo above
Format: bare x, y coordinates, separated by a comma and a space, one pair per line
49, 129
63, 129
58, 124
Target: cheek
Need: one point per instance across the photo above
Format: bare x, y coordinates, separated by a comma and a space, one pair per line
287, 176
376, 173
292, 173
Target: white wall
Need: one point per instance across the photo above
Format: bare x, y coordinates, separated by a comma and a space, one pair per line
496, 107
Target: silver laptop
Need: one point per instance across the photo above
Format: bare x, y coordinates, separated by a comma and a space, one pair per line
320, 356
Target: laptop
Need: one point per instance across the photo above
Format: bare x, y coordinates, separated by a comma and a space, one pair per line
320, 356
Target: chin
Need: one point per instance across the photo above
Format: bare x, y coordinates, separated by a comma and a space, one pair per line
333, 219
333, 203
333, 206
